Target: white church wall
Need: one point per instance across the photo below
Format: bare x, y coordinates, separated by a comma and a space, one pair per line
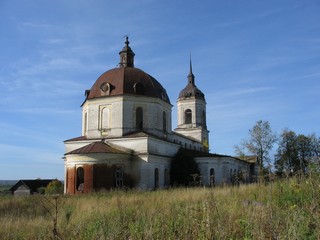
76, 159
122, 115
128, 114
196, 106
92, 126
147, 171
152, 114
207, 163
156, 146
139, 145
182, 106
145, 175
222, 166
186, 142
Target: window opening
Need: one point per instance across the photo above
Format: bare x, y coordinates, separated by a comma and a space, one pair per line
85, 122
212, 177
166, 177
164, 121
204, 118
105, 118
119, 177
80, 179
188, 116
139, 118
156, 178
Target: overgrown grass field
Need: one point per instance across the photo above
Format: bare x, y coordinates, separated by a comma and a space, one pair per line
288, 209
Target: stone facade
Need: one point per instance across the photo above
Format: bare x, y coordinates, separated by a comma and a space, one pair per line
127, 140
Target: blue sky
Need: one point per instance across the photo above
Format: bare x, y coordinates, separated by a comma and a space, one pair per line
252, 59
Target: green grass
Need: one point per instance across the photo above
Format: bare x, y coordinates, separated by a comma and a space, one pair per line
281, 210
5, 188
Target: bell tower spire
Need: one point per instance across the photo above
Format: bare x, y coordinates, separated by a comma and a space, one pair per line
126, 55
190, 75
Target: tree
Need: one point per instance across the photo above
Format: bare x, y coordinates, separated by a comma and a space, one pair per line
305, 153
286, 158
315, 144
296, 152
183, 169
259, 143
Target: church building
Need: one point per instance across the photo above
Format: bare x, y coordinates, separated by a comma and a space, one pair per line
127, 140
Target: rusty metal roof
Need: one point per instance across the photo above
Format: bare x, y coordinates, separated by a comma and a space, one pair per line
127, 80
191, 91
76, 139
96, 147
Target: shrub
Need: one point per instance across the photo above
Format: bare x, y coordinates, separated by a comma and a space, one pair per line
184, 170
54, 187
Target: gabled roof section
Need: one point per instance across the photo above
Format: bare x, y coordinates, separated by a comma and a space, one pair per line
195, 153
139, 134
33, 185
184, 136
250, 159
81, 138
97, 147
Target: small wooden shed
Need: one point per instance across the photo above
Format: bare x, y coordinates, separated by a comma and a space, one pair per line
28, 187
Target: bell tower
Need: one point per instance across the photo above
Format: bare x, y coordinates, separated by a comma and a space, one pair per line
191, 106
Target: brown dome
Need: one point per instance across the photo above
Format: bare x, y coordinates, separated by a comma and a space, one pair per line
191, 91
127, 80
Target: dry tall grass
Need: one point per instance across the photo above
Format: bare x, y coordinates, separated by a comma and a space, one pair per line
280, 210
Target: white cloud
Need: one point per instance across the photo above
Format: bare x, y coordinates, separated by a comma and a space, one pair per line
223, 95
28, 155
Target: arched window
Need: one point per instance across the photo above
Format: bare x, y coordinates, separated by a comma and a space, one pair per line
188, 116
166, 177
105, 118
139, 118
85, 122
80, 179
212, 177
119, 177
204, 118
156, 178
164, 121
